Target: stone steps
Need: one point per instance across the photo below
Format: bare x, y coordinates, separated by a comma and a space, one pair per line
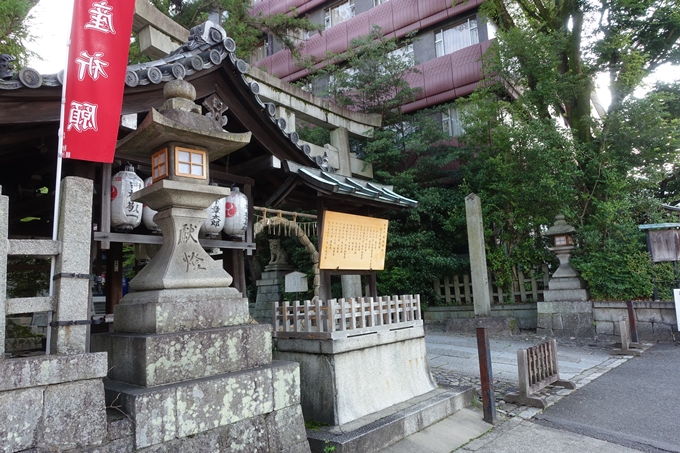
376, 431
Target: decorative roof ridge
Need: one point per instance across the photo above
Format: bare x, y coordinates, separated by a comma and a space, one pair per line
208, 45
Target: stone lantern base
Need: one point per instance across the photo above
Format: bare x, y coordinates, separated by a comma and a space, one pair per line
566, 311
187, 362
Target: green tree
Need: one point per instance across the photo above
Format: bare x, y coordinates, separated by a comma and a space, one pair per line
14, 31
408, 151
535, 146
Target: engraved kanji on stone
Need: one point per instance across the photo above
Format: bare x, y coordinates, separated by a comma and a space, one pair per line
186, 234
194, 262
101, 18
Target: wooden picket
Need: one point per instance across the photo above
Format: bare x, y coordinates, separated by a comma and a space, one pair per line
453, 291
340, 318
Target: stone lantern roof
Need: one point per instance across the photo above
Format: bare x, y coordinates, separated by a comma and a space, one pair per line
560, 227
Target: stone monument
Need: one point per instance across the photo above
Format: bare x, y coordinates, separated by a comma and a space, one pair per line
184, 362
566, 310
480, 275
269, 287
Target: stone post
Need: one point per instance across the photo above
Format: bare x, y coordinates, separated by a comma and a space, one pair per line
340, 140
4, 216
480, 276
351, 284
71, 287
289, 116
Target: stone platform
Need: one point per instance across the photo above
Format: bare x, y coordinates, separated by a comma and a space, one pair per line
381, 429
188, 408
184, 365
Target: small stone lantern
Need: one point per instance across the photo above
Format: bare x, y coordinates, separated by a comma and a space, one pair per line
561, 232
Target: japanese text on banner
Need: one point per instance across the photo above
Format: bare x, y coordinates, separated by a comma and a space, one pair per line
97, 63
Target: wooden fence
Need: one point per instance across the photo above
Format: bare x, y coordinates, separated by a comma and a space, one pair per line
68, 302
453, 291
340, 318
537, 368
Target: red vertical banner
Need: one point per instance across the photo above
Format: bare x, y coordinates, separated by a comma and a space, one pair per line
95, 78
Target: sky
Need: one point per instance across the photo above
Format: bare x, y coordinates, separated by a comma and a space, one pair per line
51, 24
52, 18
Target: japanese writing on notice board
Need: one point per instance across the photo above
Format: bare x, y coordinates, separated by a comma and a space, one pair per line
352, 242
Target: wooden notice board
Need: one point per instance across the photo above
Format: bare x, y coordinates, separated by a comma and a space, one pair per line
353, 242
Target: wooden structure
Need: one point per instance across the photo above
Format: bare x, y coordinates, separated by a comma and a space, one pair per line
65, 311
628, 347
458, 291
538, 368
275, 170
340, 318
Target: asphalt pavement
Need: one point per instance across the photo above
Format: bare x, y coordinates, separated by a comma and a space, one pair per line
634, 405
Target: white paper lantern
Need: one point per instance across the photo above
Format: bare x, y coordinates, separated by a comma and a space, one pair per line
236, 213
148, 213
125, 214
214, 222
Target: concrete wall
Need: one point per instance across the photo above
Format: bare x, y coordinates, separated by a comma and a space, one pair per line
343, 380
655, 320
524, 314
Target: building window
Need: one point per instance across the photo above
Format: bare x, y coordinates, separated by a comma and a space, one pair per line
159, 165
262, 51
379, 2
338, 13
490, 29
190, 163
451, 123
456, 38
405, 53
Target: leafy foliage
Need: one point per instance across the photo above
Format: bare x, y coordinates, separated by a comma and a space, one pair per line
535, 147
14, 31
28, 277
409, 152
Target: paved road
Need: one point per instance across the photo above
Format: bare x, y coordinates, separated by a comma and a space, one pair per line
634, 405
453, 359
458, 355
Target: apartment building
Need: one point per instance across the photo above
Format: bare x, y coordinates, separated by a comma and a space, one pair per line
449, 42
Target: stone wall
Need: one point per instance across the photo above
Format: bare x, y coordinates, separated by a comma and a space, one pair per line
655, 320
523, 314
52, 403
565, 319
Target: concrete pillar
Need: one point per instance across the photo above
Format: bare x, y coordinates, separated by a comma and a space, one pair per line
340, 140
4, 221
480, 275
71, 289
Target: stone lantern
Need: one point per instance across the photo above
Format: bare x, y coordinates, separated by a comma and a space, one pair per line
179, 143
566, 310
563, 244
185, 363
